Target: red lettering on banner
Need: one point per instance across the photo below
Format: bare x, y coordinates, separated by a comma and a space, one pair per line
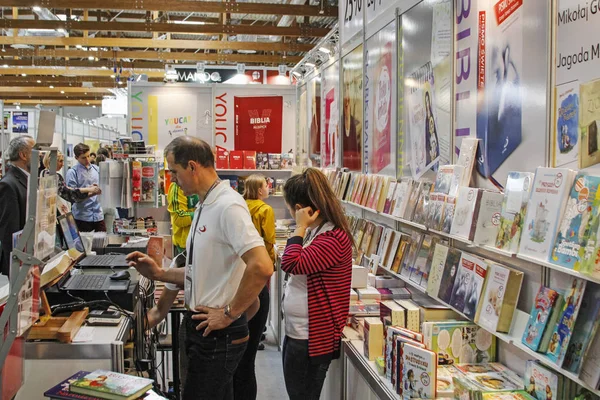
221, 111
505, 8
481, 51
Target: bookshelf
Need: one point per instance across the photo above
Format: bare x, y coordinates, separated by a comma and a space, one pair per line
520, 318
255, 171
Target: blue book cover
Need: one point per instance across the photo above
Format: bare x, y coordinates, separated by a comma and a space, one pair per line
545, 301
584, 332
61, 391
561, 336
574, 229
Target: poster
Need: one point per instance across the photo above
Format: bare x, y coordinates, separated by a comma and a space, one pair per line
5, 118
45, 226
314, 90
20, 122
577, 67
258, 123
352, 109
380, 117
426, 37
177, 116
331, 116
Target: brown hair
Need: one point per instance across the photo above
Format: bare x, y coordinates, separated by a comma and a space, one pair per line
252, 185
312, 189
80, 149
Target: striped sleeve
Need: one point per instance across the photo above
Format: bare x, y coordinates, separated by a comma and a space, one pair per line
325, 251
178, 207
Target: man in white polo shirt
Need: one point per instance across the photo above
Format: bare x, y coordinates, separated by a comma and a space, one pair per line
227, 267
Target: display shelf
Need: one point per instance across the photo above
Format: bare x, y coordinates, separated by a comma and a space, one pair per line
559, 268
388, 216
453, 237
250, 171
402, 278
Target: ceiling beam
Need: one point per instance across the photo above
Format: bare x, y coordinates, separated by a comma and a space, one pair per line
56, 102
72, 72
152, 55
58, 89
155, 44
183, 6
207, 29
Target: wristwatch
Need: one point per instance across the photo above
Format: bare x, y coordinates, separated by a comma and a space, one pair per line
228, 313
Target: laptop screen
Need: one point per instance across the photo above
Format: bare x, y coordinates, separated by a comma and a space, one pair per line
70, 232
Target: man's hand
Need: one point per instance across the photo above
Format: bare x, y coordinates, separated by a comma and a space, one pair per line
213, 319
145, 265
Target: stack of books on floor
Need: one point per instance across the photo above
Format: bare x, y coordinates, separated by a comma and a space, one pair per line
103, 385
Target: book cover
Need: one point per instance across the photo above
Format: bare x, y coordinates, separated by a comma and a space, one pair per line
459, 342
373, 338
419, 369
512, 395
448, 214
490, 304
384, 243
236, 159
112, 383
561, 334
448, 179
62, 392
466, 283
586, 327
415, 193
222, 158
408, 264
249, 159
287, 160
552, 322
149, 182
440, 253
403, 247
399, 338
383, 194
488, 218
423, 208
358, 187
544, 211
389, 198
590, 371
466, 204
566, 141
466, 158
274, 160
475, 288
403, 191
422, 263
375, 239
136, 181
449, 274
262, 161
542, 383
393, 250
589, 121
444, 386
514, 206
544, 303
436, 210
375, 192
488, 378
368, 189
573, 232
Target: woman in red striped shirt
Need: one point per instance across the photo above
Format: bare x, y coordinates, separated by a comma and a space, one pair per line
318, 259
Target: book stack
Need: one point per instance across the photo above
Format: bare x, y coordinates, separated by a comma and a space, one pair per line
250, 159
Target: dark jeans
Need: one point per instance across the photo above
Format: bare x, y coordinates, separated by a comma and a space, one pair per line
84, 226
212, 360
244, 380
303, 380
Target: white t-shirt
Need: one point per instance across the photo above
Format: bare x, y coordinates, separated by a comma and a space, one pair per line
222, 231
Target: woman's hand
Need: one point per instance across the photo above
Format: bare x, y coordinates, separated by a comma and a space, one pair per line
305, 217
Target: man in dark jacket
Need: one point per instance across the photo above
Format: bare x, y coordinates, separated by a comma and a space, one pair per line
13, 195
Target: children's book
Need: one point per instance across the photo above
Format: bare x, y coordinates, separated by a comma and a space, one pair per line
542, 383
544, 211
544, 303
111, 385
512, 395
466, 203
465, 280
459, 342
449, 274
419, 369
487, 218
561, 335
590, 371
445, 388
477, 379
400, 337
586, 327
440, 254
573, 231
448, 214
552, 322
514, 206
475, 287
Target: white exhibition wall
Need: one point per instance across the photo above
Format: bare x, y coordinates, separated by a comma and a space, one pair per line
160, 112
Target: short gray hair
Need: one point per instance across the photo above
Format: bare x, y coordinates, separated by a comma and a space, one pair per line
18, 145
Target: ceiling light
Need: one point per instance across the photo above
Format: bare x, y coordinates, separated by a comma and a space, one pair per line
324, 50
93, 106
5, 65
38, 81
51, 87
87, 103
36, 8
23, 74
78, 46
188, 22
120, 82
309, 64
112, 76
62, 92
91, 58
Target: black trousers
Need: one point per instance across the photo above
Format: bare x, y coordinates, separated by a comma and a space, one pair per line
244, 380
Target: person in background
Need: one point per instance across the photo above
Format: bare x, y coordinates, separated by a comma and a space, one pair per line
41, 162
65, 192
93, 158
181, 209
103, 151
13, 194
263, 218
318, 257
226, 267
88, 213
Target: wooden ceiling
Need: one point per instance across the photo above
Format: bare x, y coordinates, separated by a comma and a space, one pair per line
66, 51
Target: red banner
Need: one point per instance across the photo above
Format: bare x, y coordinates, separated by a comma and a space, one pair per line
258, 123
481, 51
505, 8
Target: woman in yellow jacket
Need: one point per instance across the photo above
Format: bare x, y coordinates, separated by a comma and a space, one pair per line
263, 217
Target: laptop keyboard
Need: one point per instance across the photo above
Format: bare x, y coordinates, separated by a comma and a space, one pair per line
88, 282
102, 260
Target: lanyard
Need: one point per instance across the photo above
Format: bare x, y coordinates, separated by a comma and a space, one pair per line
190, 252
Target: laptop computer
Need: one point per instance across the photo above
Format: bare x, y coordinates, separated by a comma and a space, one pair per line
72, 238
